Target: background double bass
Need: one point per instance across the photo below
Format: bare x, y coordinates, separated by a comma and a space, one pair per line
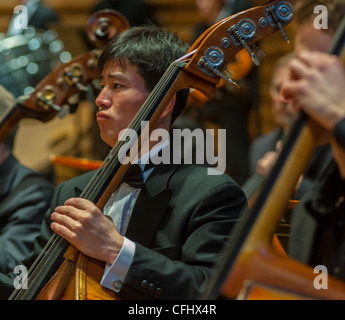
57, 93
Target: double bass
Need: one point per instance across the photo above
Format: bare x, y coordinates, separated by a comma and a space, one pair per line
251, 268
201, 68
59, 92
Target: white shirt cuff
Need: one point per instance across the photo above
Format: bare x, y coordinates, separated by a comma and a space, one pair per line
115, 274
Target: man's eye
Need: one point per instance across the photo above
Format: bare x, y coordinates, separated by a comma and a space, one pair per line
117, 86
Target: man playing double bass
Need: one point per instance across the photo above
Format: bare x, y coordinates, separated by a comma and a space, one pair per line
318, 236
317, 86
164, 237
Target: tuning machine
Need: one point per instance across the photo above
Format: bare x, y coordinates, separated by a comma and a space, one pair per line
72, 76
46, 100
278, 14
244, 34
211, 61
241, 33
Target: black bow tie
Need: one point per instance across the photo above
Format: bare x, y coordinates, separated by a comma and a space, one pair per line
134, 175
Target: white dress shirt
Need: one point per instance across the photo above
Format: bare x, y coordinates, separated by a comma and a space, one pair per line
119, 207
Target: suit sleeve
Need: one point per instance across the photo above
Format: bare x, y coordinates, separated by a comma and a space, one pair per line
183, 273
25, 209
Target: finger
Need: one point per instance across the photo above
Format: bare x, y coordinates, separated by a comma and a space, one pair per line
262, 164
269, 155
69, 211
64, 232
306, 57
279, 146
299, 69
65, 221
317, 59
292, 89
311, 59
261, 167
79, 203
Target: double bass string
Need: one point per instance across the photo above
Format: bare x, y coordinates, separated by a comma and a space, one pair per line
56, 245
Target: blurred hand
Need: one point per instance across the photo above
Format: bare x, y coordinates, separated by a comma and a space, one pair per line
317, 86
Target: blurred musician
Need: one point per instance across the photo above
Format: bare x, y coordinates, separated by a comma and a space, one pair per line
317, 86
24, 197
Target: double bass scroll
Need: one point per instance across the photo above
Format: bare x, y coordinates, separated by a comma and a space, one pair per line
57, 93
104, 25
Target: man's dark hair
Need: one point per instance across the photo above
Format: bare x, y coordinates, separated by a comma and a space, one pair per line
152, 50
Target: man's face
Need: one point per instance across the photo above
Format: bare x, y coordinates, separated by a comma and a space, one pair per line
123, 93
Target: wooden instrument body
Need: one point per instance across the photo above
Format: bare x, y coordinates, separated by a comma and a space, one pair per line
78, 278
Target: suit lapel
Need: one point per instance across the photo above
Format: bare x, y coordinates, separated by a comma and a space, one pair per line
82, 182
151, 205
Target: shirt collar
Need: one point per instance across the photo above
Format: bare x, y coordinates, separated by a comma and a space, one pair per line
144, 159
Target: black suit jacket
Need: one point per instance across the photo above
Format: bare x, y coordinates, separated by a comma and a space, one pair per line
180, 222
25, 196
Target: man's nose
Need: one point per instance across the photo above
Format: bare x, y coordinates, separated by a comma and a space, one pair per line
102, 100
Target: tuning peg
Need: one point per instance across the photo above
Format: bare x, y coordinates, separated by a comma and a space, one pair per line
45, 99
259, 53
63, 112
217, 72
242, 32
81, 87
284, 34
278, 25
73, 102
256, 60
209, 63
72, 76
282, 12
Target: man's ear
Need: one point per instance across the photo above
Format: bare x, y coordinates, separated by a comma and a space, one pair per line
169, 108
